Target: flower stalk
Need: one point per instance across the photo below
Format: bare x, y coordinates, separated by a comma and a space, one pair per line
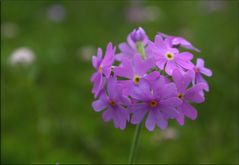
135, 143
140, 48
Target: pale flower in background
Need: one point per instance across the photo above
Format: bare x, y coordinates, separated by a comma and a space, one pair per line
167, 134
23, 56
213, 5
85, 52
9, 29
56, 13
138, 13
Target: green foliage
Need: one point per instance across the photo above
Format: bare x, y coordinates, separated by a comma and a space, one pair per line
46, 114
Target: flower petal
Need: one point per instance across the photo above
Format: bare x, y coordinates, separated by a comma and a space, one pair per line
161, 63
194, 94
170, 66
139, 111
206, 71
185, 56
108, 115
142, 66
170, 102
99, 105
184, 64
161, 121
165, 90
125, 69
180, 118
150, 121
200, 79
182, 80
141, 91
200, 62
189, 111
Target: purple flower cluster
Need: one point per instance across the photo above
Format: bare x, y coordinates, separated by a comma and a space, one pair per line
151, 80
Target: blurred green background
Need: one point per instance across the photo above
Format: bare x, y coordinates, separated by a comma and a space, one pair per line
46, 114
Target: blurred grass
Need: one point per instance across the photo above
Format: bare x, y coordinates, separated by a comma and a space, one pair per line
46, 114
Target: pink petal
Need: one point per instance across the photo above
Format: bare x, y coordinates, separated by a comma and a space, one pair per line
185, 56
180, 118
108, 115
200, 63
170, 66
161, 122
189, 111
161, 63
206, 71
138, 114
150, 121
99, 105
194, 93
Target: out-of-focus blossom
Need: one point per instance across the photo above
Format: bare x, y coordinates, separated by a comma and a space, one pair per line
56, 13
137, 13
85, 52
24, 56
212, 5
9, 30
167, 134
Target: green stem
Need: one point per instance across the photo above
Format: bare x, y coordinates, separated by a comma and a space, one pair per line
140, 48
135, 143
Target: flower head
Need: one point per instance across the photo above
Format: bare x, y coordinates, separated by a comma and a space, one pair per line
135, 39
114, 103
158, 102
169, 58
187, 94
199, 71
103, 68
23, 56
175, 41
154, 81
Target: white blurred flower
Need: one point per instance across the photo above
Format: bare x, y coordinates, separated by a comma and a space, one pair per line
9, 29
86, 52
138, 13
167, 134
23, 56
56, 13
212, 5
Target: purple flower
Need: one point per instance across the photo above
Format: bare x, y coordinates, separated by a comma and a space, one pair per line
199, 69
130, 49
138, 35
168, 57
136, 87
133, 70
175, 41
159, 101
114, 103
193, 94
103, 67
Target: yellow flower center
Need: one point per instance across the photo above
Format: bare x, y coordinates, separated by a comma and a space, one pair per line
111, 102
153, 103
136, 79
180, 95
169, 56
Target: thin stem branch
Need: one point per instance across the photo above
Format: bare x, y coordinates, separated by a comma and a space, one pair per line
135, 143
